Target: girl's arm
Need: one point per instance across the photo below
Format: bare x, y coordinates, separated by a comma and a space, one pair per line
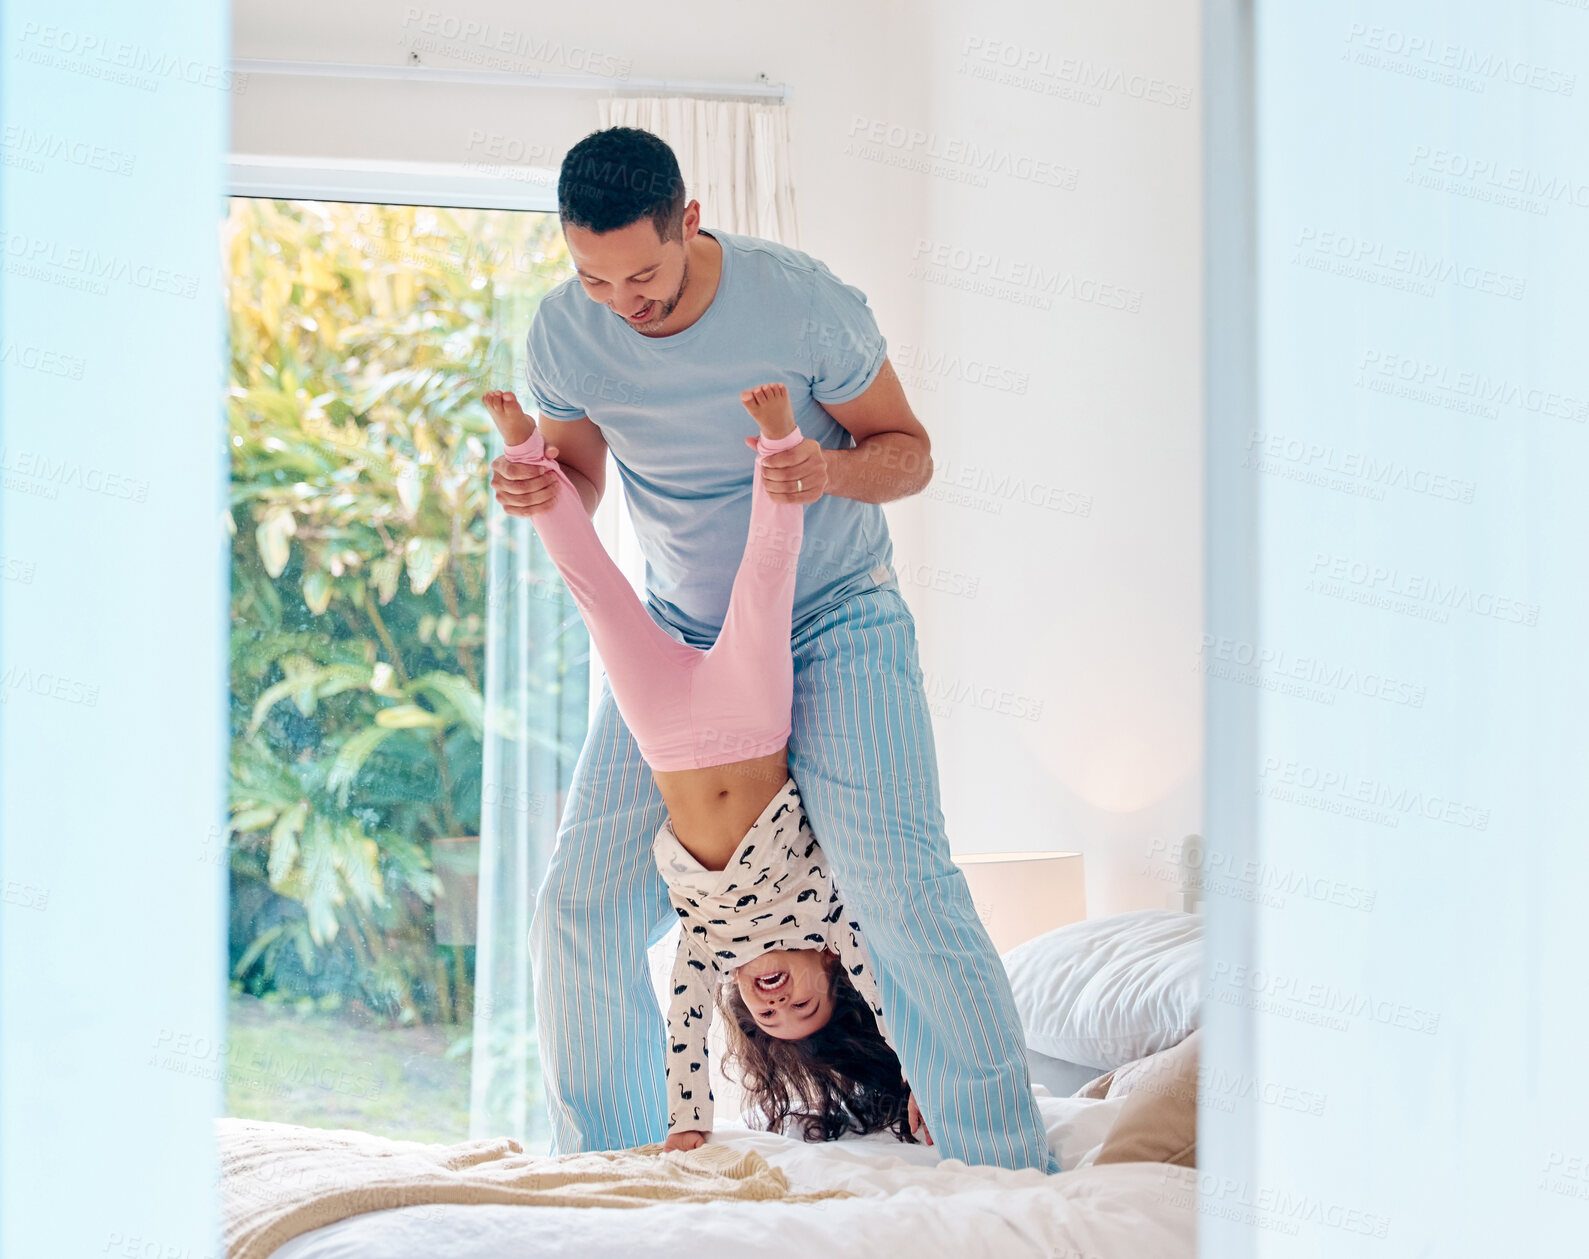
689, 1075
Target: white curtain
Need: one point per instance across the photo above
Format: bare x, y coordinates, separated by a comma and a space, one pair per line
734, 157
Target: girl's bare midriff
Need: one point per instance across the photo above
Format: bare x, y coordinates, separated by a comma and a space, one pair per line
711, 809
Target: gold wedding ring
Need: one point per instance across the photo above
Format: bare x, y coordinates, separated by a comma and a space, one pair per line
799, 485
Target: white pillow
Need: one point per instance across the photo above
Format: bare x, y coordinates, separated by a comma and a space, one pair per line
1107, 991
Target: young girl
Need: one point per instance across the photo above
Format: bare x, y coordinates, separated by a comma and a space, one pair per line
743, 869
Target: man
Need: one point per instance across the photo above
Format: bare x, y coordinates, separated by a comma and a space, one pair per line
679, 321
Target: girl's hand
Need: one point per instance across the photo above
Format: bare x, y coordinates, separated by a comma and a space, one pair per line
794, 476
684, 1141
918, 1125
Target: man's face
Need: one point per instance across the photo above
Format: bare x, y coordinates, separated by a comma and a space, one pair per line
632, 272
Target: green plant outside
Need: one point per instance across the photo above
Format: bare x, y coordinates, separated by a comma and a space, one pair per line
361, 340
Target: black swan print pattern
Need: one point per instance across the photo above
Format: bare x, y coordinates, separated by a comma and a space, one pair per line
724, 928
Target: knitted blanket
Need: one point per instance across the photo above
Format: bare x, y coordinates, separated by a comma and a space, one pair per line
280, 1180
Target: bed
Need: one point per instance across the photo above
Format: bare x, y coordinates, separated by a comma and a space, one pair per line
1106, 992
908, 1201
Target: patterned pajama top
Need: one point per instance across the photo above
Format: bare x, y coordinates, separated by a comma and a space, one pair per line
775, 893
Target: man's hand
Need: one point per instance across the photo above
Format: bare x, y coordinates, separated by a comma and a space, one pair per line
795, 476
684, 1141
918, 1125
524, 489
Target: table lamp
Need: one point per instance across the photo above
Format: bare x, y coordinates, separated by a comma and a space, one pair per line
1020, 895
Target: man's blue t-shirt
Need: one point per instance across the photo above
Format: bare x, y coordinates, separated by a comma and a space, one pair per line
669, 410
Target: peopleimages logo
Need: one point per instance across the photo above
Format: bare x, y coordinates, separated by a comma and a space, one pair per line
470, 39
39, 258
1329, 781
37, 359
934, 365
1218, 873
115, 60
1358, 257
1279, 1210
1436, 54
993, 487
1313, 456
914, 144
1029, 67
945, 691
1232, 980
1333, 574
50, 685
55, 475
1369, 683
1528, 186
1442, 385
51, 146
960, 266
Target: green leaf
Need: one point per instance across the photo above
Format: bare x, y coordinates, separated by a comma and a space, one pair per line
284, 843
355, 750
304, 942
384, 573
250, 820
457, 694
260, 943
317, 590
271, 535
409, 487
320, 888
425, 556
407, 717
304, 683
359, 859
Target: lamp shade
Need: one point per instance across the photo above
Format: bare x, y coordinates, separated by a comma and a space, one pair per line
1020, 895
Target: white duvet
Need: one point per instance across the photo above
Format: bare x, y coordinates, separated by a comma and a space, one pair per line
910, 1202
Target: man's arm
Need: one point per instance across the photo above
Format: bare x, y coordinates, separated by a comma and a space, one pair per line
892, 456
577, 445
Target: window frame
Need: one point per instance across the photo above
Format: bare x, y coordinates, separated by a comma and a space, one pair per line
452, 185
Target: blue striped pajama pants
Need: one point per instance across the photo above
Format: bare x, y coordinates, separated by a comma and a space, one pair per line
862, 754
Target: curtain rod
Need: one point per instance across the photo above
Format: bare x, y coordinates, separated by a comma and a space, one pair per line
529, 78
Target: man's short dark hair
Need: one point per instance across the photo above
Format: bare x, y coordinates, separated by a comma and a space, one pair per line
619, 176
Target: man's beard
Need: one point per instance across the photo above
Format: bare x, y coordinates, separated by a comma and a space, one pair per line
664, 309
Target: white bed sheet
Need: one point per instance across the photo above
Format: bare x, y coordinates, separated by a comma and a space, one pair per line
911, 1201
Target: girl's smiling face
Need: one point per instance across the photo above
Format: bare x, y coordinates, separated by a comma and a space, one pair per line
789, 992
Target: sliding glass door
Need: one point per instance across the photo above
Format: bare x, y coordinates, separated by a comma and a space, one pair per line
363, 711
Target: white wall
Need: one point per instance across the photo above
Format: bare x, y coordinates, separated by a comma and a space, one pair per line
1075, 506
1054, 564
1395, 1027
113, 627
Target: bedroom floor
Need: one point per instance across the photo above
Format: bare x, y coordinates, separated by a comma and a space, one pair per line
326, 1070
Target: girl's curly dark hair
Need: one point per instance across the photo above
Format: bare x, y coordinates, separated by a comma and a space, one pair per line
841, 1078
